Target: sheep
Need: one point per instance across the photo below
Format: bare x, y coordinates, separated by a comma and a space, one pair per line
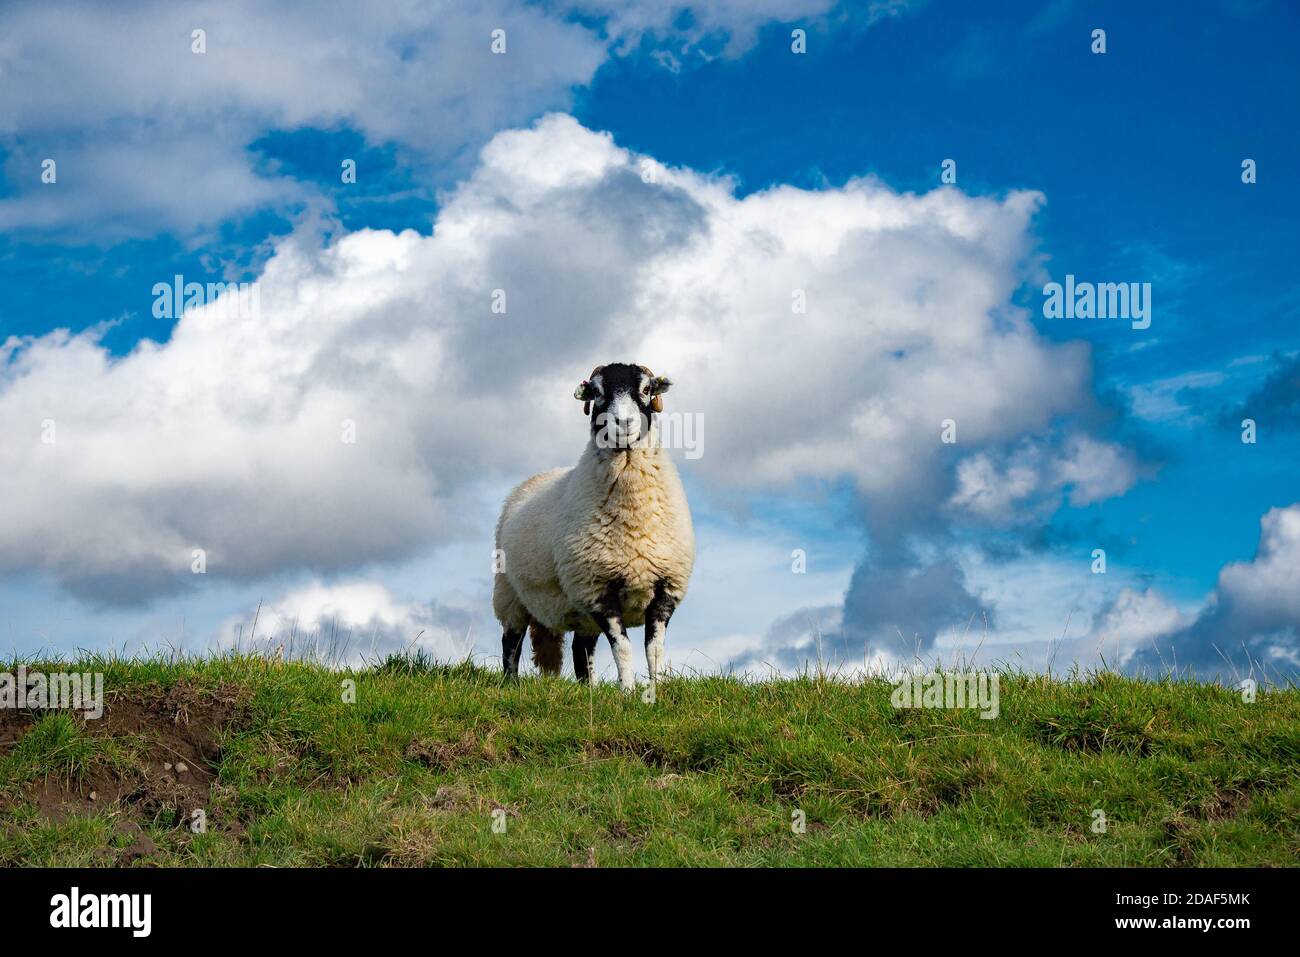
600, 547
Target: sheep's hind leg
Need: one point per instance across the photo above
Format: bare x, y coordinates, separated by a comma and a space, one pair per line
609, 616
657, 614
512, 642
584, 656
514, 618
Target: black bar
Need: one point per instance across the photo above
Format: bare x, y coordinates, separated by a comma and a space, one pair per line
337, 906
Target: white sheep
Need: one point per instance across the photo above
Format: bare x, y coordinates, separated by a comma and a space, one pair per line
603, 546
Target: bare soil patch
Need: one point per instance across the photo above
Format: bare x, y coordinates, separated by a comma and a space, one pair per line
172, 741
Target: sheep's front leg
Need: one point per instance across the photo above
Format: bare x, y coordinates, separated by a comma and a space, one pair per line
609, 617
657, 613
584, 656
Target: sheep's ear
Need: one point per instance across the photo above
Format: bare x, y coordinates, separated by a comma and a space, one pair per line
584, 393
658, 386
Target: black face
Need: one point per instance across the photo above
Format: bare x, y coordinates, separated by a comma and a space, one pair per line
620, 391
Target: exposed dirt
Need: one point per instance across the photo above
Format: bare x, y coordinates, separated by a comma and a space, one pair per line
443, 755
142, 845
647, 753
1227, 803
171, 751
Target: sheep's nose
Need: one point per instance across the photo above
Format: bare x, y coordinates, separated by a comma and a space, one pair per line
627, 422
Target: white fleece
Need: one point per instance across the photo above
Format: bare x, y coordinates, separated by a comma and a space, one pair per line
565, 534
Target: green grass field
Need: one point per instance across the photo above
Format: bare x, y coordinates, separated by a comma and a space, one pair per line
447, 765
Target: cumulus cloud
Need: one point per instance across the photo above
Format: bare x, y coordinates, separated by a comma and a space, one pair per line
1051, 616
1130, 623
229, 436
900, 610
352, 622
804, 639
150, 136
1027, 482
1250, 625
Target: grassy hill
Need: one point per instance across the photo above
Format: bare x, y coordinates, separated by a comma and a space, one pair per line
419, 769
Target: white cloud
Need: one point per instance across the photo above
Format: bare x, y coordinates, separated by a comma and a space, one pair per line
140, 182
1026, 483
1131, 622
986, 490
1268, 586
227, 437
150, 136
352, 622
1161, 399
1046, 612
1094, 470
1250, 623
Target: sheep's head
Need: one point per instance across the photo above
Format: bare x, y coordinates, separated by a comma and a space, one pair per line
620, 399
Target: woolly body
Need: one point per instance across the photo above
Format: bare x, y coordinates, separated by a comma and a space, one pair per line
617, 516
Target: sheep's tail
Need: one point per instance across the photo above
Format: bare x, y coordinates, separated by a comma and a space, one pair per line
548, 649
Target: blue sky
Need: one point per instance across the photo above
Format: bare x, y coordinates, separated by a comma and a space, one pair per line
1136, 153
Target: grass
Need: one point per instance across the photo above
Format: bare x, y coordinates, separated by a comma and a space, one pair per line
430, 760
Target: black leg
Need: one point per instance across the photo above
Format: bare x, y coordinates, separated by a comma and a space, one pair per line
661, 607
584, 656
608, 614
512, 643
657, 613
609, 618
